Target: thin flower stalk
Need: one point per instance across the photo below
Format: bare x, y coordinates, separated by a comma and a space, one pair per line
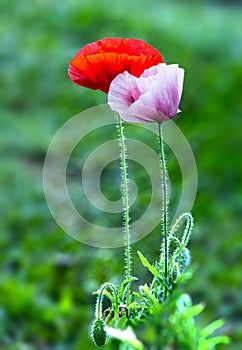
100, 298
125, 200
165, 202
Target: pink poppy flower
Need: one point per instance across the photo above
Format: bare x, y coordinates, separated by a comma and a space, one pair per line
154, 96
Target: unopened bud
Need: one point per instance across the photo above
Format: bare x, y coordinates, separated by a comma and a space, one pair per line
98, 333
185, 259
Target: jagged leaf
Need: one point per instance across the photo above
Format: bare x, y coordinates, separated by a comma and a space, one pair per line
149, 296
150, 267
135, 306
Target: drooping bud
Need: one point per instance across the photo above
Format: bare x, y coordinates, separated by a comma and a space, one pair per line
185, 259
98, 333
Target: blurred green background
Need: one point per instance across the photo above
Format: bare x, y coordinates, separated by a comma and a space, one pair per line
47, 277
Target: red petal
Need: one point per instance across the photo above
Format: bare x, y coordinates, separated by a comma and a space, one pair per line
98, 63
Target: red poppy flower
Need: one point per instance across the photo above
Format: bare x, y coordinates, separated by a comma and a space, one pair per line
98, 63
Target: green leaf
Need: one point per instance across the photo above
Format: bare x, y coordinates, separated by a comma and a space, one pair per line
148, 294
138, 295
212, 342
127, 336
122, 322
207, 331
194, 310
150, 267
135, 306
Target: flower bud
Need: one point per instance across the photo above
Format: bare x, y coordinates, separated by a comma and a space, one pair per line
185, 259
98, 333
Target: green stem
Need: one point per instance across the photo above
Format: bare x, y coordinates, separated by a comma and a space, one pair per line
124, 186
100, 297
188, 228
164, 189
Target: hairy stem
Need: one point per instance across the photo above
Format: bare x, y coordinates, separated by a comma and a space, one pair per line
124, 186
188, 228
164, 190
100, 298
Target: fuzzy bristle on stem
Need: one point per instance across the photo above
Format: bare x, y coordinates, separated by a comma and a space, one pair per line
188, 218
125, 200
113, 299
165, 202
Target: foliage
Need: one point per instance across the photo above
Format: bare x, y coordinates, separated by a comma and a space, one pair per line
159, 322
154, 304
170, 326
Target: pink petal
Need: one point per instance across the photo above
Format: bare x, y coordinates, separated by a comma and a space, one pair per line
165, 91
123, 92
154, 96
